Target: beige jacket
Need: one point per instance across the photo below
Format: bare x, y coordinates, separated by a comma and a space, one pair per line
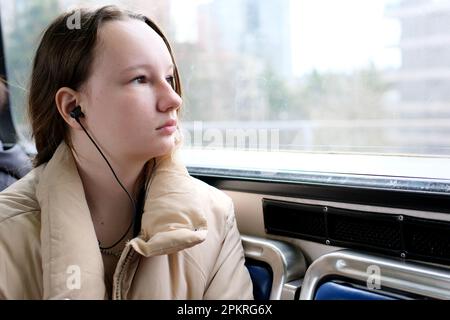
189, 246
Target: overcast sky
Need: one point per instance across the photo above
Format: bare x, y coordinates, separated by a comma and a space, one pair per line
341, 35
326, 34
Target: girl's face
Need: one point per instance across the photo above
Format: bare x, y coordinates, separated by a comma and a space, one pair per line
129, 103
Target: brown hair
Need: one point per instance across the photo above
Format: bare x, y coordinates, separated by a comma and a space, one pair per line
64, 59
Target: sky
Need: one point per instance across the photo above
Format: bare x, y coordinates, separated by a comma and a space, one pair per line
340, 35
326, 35
184, 13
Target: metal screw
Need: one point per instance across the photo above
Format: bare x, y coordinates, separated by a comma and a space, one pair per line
327, 242
403, 255
325, 209
400, 218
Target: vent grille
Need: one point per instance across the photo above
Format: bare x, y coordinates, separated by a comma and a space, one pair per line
380, 233
428, 239
298, 220
399, 235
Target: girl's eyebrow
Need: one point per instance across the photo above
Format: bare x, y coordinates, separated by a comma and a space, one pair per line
144, 66
137, 66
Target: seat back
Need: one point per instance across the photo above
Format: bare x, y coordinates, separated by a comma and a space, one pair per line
368, 277
331, 290
262, 278
275, 267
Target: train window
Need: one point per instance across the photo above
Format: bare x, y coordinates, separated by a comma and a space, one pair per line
276, 85
326, 122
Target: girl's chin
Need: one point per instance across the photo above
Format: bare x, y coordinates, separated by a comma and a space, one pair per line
165, 149
161, 148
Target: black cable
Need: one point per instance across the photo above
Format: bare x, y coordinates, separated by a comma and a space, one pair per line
121, 185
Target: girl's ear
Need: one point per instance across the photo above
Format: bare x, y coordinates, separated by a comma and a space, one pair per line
66, 100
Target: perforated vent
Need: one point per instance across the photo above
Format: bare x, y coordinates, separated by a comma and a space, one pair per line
398, 235
298, 220
381, 233
428, 239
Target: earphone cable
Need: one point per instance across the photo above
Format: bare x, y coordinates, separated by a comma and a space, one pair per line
121, 185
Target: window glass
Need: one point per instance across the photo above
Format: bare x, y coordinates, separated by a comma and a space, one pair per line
287, 75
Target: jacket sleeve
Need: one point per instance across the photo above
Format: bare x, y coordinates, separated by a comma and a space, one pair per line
231, 279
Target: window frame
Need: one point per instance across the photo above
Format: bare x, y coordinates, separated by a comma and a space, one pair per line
438, 202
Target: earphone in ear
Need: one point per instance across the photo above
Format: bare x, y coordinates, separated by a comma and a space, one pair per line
77, 113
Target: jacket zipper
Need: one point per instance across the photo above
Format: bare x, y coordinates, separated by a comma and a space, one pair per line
117, 285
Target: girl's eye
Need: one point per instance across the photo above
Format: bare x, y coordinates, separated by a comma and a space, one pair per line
140, 79
171, 81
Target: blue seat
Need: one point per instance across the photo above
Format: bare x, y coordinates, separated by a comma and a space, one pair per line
336, 291
262, 278
272, 264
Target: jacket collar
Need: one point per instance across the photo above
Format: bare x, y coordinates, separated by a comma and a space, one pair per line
173, 220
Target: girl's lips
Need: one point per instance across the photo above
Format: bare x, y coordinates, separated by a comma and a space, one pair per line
168, 129
169, 123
